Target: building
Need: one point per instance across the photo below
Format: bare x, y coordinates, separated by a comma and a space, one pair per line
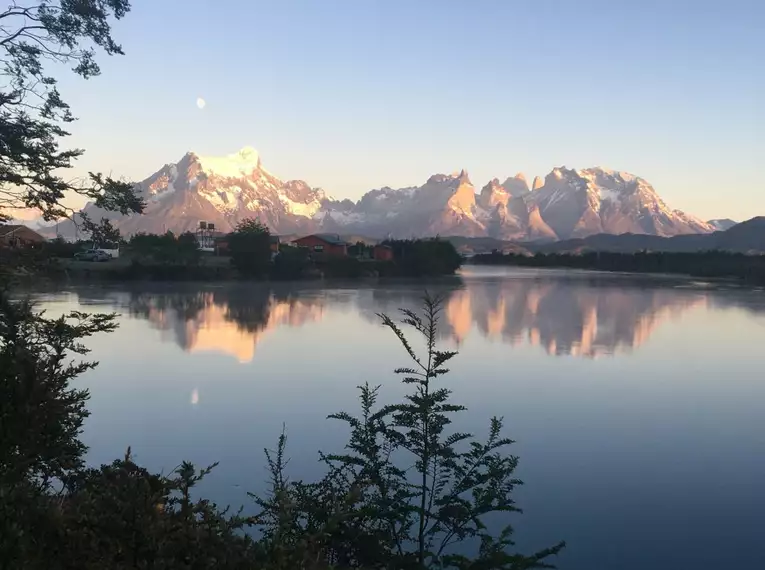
323, 245
382, 253
220, 244
206, 236
19, 236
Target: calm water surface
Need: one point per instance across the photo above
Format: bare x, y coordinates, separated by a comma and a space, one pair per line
637, 404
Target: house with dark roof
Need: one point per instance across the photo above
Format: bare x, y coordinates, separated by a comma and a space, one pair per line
19, 236
330, 245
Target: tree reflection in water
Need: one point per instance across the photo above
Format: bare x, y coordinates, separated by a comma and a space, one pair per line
587, 317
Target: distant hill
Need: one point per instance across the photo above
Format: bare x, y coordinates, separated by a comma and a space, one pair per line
722, 224
474, 245
746, 237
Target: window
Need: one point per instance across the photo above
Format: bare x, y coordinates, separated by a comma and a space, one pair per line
318, 248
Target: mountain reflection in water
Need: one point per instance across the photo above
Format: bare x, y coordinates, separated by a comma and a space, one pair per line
579, 317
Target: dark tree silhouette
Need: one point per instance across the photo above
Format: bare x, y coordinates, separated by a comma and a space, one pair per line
32, 112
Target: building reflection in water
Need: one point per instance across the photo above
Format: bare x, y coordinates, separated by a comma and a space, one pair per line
586, 318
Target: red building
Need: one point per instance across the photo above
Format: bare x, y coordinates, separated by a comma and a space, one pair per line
382, 253
324, 244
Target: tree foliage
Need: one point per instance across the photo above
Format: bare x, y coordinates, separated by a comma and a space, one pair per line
102, 234
41, 415
32, 113
291, 263
166, 248
404, 492
699, 264
407, 489
250, 248
425, 257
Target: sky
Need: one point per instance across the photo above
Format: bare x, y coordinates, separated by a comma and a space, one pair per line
351, 95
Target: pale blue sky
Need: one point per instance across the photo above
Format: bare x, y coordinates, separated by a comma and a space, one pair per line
351, 95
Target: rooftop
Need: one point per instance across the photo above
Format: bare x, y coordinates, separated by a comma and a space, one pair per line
333, 239
15, 228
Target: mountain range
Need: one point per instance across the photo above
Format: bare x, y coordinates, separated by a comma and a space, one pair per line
565, 204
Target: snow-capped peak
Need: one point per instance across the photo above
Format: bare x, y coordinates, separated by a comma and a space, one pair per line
234, 165
625, 176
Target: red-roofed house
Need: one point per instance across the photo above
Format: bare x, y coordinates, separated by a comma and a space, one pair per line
324, 244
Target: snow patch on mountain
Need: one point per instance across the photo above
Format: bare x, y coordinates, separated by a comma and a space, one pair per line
234, 165
307, 210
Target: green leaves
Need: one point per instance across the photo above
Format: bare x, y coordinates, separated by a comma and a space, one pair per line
102, 234
425, 257
32, 111
405, 491
251, 226
250, 248
41, 416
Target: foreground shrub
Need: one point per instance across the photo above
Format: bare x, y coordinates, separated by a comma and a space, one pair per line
406, 493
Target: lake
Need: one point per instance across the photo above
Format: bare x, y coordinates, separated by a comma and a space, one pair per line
637, 402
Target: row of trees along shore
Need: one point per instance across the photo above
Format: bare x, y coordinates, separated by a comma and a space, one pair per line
699, 264
405, 492
249, 256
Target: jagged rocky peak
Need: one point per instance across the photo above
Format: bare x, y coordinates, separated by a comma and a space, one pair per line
559, 173
562, 177
492, 185
613, 179
492, 194
464, 194
517, 185
453, 180
441, 178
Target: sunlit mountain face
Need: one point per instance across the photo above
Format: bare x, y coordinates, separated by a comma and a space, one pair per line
582, 318
567, 203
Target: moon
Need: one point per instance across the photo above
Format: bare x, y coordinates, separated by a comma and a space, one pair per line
201, 103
